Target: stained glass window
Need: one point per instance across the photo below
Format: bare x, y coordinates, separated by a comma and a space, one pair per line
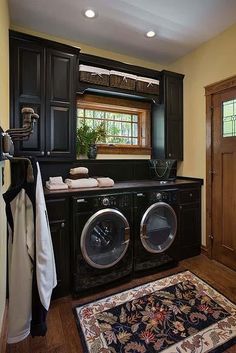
229, 118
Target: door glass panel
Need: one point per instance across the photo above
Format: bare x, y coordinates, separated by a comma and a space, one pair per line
229, 118
105, 240
160, 228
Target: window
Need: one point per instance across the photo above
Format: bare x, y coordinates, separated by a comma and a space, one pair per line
229, 118
127, 123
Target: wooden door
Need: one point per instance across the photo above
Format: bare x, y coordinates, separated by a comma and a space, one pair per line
224, 177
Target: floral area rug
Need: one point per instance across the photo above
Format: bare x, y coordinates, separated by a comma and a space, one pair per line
179, 313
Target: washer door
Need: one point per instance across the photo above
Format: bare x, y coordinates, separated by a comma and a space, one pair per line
158, 227
105, 238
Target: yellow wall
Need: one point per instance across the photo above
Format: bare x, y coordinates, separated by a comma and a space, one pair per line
4, 121
211, 62
91, 50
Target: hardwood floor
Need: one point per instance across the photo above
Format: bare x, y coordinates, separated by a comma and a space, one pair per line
62, 335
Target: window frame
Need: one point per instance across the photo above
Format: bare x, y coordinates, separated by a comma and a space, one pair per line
127, 106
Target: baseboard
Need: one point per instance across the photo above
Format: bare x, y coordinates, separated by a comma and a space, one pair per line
204, 250
3, 335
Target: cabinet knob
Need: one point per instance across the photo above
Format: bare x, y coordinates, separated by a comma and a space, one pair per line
62, 225
180, 207
190, 194
169, 154
48, 153
42, 153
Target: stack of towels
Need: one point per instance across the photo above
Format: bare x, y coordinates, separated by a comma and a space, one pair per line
78, 178
78, 173
56, 183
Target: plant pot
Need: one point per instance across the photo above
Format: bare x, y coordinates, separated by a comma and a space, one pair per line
92, 151
82, 156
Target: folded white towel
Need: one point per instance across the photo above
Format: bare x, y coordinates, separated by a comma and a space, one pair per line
81, 183
104, 182
59, 186
79, 170
55, 180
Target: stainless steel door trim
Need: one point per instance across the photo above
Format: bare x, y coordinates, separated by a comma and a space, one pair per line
86, 228
143, 226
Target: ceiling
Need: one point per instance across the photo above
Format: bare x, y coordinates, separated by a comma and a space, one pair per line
181, 25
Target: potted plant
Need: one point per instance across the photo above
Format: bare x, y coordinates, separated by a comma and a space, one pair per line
87, 139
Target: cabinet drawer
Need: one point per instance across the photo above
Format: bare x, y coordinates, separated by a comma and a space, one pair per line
190, 195
57, 209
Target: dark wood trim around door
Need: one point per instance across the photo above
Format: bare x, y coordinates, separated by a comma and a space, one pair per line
210, 90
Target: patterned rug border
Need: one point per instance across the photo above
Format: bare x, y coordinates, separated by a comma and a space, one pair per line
219, 349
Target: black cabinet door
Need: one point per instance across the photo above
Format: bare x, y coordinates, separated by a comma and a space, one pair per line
190, 230
174, 117
27, 75
59, 225
167, 118
61, 252
61, 104
43, 76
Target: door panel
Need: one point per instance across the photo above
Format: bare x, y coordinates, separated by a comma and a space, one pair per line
60, 129
30, 61
224, 178
105, 238
61, 104
33, 144
174, 116
60, 77
189, 229
27, 70
61, 253
158, 227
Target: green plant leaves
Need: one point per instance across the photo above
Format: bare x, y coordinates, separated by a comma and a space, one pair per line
86, 136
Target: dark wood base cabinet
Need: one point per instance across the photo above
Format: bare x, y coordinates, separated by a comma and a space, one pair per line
58, 213
189, 223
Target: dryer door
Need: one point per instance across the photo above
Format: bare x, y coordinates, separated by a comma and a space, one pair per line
105, 238
158, 227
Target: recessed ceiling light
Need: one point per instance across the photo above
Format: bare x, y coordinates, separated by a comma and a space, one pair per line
150, 34
89, 13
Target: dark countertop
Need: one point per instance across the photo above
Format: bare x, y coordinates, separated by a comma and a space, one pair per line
128, 186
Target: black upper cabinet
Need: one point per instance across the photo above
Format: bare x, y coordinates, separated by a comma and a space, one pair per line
60, 104
28, 89
167, 118
42, 77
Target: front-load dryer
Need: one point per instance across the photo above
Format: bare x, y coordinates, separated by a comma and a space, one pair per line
155, 225
102, 247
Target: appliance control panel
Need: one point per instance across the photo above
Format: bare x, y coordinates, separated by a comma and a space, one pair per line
168, 196
118, 201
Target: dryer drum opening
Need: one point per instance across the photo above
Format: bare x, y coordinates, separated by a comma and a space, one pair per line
105, 238
158, 227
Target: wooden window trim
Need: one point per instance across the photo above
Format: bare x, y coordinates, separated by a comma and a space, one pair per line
119, 105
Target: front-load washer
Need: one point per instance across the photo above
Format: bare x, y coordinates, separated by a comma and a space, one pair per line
156, 244
101, 248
